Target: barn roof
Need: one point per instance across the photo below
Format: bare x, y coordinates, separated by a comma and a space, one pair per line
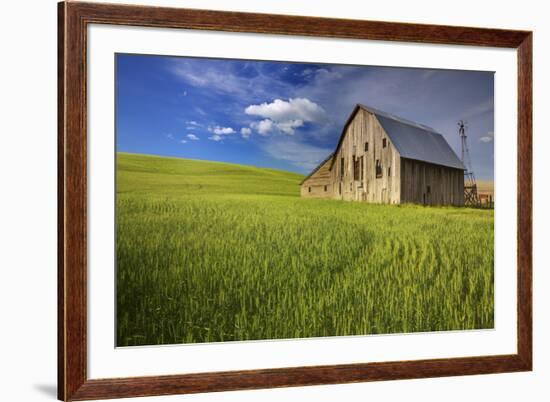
319, 166
412, 140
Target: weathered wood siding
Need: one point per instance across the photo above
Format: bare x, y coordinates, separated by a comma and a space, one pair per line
318, 184
364, 128
425, 183
352, 173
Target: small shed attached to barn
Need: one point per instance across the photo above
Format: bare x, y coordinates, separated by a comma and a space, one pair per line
317, 182
382, 158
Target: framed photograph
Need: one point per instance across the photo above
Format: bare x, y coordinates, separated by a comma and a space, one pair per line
252, 201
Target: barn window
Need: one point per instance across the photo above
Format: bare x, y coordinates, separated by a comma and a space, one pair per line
341, 168
325, 187
384, 143
378, 169
366, 146
361, 169
428, 189
309, 189
356, 168
389, 171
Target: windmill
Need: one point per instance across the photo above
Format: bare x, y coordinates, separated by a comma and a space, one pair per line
470, 185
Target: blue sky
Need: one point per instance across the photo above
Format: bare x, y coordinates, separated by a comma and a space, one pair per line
286, 115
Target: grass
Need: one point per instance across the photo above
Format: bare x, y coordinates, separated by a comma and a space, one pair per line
212, 252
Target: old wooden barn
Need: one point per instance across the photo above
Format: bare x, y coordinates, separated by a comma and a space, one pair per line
382, 158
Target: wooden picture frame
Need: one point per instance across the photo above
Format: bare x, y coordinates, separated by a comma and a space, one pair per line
73, 382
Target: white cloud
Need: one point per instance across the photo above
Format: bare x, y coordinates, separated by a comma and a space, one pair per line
285, 116
321, 75
185, 72
182, 141
221, 130
192, 125
222, 78
282, 111
245, 132
263, 127
305, 156
192, 137
288, 127
488, 138
200, 111
255, 85
266, 126
215, 137
324, 76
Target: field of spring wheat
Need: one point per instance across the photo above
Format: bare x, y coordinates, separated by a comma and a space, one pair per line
210, 252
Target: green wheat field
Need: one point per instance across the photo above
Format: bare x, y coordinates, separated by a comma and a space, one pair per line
211, 252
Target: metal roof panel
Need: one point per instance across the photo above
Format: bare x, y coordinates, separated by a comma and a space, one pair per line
416, 142
412, 140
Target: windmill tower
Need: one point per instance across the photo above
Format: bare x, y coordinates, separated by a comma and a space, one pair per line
470, 185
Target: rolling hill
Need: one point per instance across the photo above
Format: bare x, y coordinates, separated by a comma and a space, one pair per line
211, 252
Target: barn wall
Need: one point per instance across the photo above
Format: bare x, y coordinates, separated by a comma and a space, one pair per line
446, 185
314, 186
385, 189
